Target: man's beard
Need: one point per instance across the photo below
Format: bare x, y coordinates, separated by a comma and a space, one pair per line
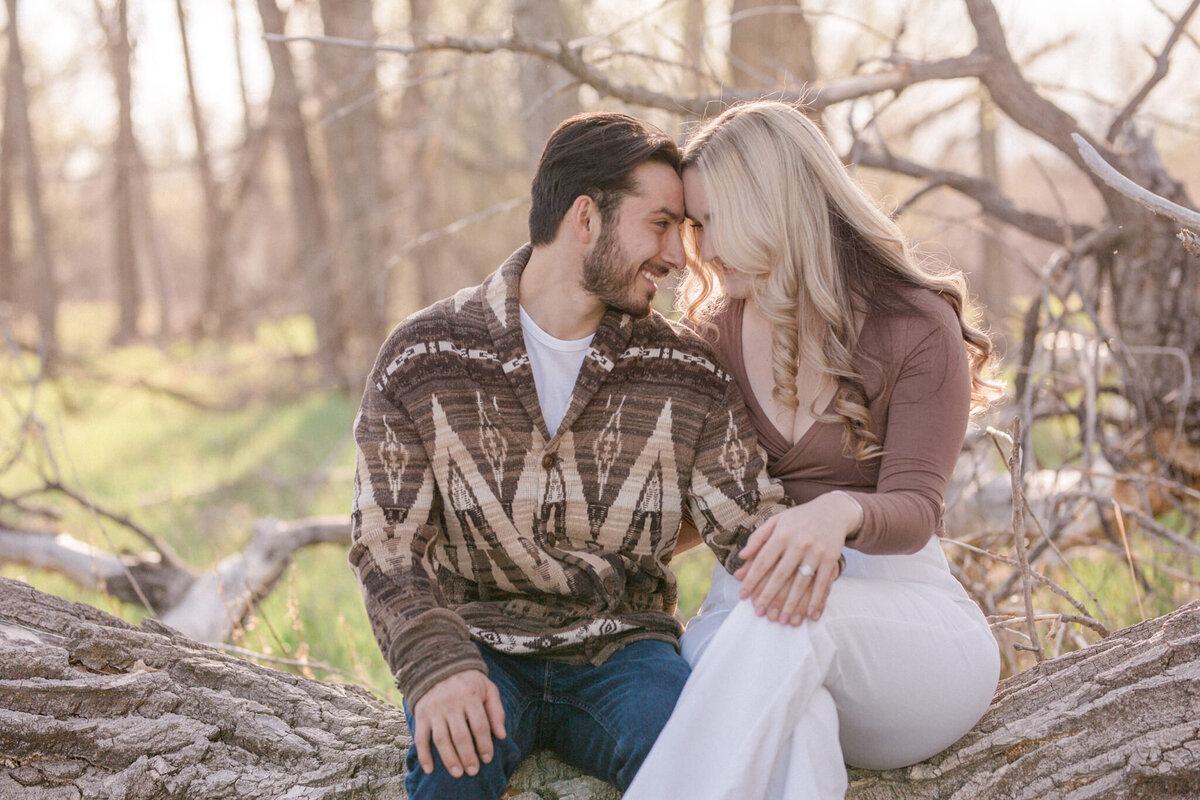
603, 277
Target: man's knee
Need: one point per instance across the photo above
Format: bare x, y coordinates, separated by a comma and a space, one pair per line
653, 690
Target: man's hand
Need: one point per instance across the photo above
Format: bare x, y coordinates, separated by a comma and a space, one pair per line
460, 715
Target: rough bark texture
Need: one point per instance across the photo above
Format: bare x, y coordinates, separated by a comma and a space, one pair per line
1116, 720
92, 707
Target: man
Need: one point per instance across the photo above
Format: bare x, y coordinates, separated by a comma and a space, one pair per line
525, 451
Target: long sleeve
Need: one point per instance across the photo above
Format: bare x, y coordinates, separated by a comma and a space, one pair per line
731, 491
396, 519
926, 421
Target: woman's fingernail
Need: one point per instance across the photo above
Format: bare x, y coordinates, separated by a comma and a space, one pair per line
760, 610
784, 619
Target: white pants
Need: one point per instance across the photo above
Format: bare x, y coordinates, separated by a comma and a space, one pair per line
900, 666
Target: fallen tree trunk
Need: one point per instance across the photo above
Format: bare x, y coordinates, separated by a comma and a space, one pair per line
205, 605
92, 707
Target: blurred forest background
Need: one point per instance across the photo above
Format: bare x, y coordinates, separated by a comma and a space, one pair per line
212, 212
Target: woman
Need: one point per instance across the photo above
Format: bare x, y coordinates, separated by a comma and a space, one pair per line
860, 372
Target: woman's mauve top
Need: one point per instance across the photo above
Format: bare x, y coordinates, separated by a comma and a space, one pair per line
917, 378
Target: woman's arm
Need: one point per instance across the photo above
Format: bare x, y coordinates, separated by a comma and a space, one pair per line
927, 417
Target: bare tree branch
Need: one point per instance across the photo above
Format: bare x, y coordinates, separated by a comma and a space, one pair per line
989, 197
1161, 65
1014, 94
1107, 173
900, 75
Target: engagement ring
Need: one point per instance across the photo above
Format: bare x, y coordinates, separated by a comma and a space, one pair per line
805, 570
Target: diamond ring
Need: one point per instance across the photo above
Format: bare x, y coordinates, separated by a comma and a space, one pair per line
805, 570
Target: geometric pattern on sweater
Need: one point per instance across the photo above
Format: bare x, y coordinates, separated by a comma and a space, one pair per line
471, 522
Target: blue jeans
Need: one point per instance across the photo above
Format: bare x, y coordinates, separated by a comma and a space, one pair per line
602, 719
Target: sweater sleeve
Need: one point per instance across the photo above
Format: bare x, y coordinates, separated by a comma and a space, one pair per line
731, 492
394, 524
926, 422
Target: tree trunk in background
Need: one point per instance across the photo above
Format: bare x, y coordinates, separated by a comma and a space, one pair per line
352, 142
45, 285
115, 23
312, 251
770, 45
694, 17
422, 152
990, 277
548, 94
8, 162
160, 275
241, 67
217, 297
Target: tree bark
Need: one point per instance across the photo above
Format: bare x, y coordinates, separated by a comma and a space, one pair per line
92, 707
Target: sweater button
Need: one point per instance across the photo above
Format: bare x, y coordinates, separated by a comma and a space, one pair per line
550, 460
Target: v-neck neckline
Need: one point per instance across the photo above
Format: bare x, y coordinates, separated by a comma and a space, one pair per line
779, 439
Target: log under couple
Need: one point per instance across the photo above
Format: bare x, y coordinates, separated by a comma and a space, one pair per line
534, 450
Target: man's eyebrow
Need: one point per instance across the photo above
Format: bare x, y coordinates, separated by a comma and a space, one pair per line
674, 216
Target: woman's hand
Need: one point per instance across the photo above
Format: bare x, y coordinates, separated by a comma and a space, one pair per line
792, 558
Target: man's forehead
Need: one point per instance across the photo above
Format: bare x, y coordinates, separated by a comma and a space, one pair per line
657, 186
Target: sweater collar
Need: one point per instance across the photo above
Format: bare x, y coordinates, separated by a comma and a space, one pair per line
501, 298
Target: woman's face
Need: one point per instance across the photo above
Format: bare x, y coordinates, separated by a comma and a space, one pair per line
695, 199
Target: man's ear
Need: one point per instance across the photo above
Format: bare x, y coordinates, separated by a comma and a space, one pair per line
583, 219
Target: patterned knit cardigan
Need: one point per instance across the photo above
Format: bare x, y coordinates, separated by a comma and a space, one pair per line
471, 522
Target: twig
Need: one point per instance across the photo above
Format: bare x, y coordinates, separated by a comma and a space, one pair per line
1002, 620
1137, 592
1042, 579
1018, 524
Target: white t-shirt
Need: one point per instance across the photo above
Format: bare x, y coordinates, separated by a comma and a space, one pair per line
555, 364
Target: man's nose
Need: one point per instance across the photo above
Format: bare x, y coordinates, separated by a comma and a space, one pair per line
672, 254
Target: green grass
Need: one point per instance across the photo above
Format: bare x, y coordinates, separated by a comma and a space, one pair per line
194, 444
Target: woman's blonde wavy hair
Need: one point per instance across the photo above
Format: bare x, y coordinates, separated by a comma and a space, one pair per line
786, 213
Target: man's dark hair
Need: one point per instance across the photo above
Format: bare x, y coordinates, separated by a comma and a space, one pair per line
592, 154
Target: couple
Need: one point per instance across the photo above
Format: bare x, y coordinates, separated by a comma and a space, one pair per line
528, 450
